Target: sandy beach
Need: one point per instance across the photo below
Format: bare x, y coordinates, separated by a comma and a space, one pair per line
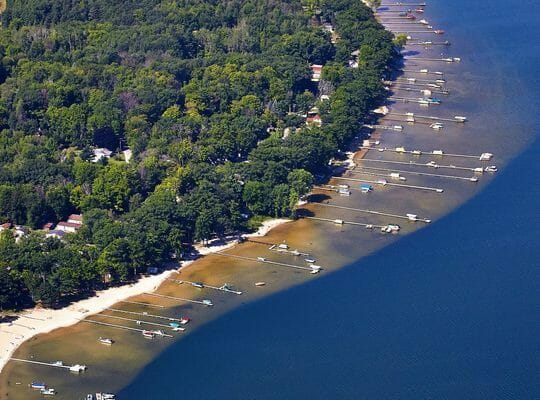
33, 322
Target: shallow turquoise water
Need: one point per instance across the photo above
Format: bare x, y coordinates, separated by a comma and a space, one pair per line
448, 312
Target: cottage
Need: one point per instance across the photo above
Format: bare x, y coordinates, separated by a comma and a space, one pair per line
316, 71
68, 227
5, 226
55, 233
48, 226
100, 153
75, 219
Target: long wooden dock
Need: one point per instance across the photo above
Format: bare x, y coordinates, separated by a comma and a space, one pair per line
223, 288
423, 72
137, 321
142, 304
412, 116
205, 302
456, 177
127, 328
384, 214
144, 314
427, 153
46, 364
426, 165
264, 261
385, 183
343, 222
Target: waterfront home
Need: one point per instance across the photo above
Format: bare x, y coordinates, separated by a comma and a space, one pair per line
316, 71
101, 152
75, 219
69, 227
55, 233
315, 120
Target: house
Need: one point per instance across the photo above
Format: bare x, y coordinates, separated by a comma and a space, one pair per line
315, 120
328, 27
75, 219
68, 227
55, 233
101, 152
5, 226
316, 71
324, 97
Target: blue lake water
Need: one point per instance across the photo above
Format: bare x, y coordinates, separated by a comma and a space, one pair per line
449, 312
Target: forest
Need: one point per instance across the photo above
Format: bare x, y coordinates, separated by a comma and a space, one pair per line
202, 105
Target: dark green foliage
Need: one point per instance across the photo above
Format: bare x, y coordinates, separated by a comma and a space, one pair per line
200, 92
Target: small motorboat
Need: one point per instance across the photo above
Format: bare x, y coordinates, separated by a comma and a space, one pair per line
310, 260
260, 283
107, 341
77, 368
48, 392
199, 285
262, 259
184, 320
148, 334
438, 32
38, 385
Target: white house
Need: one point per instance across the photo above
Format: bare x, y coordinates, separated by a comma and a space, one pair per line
101, 152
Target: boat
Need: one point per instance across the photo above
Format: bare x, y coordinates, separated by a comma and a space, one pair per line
283, 246
433, 100
260, 283
38, 385
419, 10
438, 32
104, 340
491, 168
58, 363
184, 320
412, 217
424, 71
424, 22
159, 332
456, 59
178, 329
460, 118
437, 152
262, 259
309, 260
437, 126
89, 396
108, 396
417, 152
486, 156
77, 368
207, 302
473, 179
48, 392
296, 252
148, 334
199, 285
432, 164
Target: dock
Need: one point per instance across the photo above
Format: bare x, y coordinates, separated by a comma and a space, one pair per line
142, 304
385, 183
264, 261
144, 314
426, 165
127, 328
413, 100
423, 72
464, 178
384, 214
224, 288
46, 364
446, 59
205, 302
343, 222
427, 153
411, 117
137, 321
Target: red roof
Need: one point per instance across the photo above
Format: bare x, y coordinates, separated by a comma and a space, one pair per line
68, 224
75, 217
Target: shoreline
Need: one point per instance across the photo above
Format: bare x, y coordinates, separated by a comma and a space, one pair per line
33, 322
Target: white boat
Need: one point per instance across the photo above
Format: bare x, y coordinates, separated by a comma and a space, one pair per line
260, 283
412, 217
437, 126
159, 332
48, 392
283, 246
338, 221
432, 164
309, 260
107, 341
207, 302
424, 22
400, 150
296, 252
262, 259
148, 335
184, 320
457, 59
89, 396
417, 152
460, 118
77, 368
486, 156
479, 170
491, 168
473, 179
58, 363
197, 285
437, 152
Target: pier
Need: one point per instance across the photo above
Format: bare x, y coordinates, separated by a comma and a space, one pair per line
343, 222
224, 288
54, 364
385, 183
471, 179
384, 214
427, 165
264, 261
142, 304
384, 127
418, 90
205, 302
137, 321
482, 157
145, 314
413, 100
423, 72
410, 117
127, 328
447, 59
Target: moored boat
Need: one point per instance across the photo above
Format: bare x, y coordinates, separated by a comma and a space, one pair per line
104, 340
48, 392
38, 385
148, 334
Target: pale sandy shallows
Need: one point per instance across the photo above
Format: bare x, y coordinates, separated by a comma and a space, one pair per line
35, 321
